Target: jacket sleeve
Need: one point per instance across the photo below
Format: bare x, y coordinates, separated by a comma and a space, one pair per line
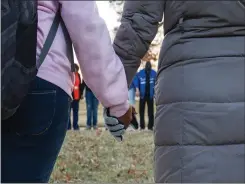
135, 81
138, 80
101, 68
139, 25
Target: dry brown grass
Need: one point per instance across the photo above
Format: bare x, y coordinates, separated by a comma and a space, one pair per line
95, 157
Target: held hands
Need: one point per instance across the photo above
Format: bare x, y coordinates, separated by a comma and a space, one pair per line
117, 126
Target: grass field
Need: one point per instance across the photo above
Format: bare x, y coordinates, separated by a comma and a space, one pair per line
95, 157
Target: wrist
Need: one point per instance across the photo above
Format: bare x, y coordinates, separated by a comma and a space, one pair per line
119, 110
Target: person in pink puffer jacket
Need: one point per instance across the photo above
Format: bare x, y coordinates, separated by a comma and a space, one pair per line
30, 149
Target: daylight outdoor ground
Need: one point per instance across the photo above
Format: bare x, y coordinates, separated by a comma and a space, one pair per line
95, 157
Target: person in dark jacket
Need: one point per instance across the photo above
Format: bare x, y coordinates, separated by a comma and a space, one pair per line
77, 95
145, 90
92, 104
199, 123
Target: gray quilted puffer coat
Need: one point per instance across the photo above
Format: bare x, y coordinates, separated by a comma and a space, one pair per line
199, 124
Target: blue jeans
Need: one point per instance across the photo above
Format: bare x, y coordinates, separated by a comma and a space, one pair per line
92, 109
75, 108
32, 138
131, 96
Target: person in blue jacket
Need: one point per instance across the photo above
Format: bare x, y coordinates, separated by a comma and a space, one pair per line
145, 90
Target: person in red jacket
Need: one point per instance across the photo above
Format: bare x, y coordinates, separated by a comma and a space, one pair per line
77, 95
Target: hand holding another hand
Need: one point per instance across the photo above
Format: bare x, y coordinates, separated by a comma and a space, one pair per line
117, 126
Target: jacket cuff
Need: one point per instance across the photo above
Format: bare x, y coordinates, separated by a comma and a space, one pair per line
119, 110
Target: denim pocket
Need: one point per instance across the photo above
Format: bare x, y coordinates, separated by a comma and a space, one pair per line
36, 113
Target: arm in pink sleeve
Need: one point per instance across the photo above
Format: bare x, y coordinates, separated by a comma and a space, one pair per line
102, 70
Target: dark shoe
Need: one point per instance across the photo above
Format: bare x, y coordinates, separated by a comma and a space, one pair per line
76, 127
151, 129
135, 127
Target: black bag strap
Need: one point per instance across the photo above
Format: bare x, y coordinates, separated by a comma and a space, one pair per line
69, 45
50, 38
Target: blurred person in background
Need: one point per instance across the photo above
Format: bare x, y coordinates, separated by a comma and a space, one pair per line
145, 91
199, 124
77, 95
92, 104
